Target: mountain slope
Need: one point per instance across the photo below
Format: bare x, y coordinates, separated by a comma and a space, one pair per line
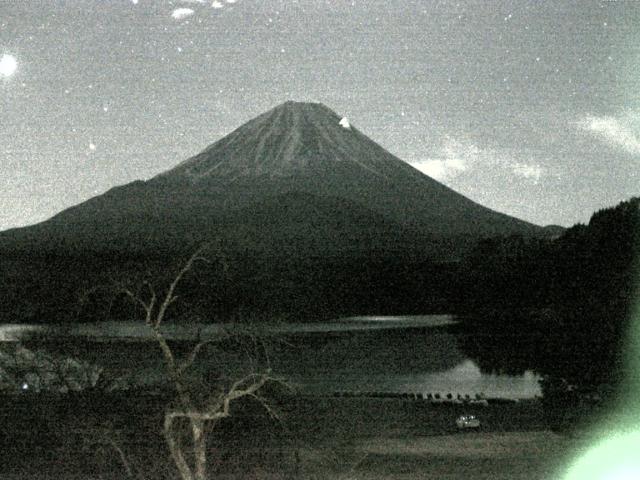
294, 148
303, 147
315, 218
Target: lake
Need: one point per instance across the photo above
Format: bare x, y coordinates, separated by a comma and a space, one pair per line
405, 354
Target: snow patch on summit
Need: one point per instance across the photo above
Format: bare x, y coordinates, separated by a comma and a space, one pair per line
344, 123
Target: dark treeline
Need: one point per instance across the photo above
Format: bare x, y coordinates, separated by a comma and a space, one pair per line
552, 289
60, 287
561, 307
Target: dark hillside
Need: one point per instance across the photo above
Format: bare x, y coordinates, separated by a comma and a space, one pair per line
562, 307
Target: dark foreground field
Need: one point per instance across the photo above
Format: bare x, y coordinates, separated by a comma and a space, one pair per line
90, 437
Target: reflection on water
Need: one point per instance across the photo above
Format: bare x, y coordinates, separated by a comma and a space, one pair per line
464, 379
419, 354
410, 360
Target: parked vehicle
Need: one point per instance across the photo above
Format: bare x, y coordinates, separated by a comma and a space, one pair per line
467, 421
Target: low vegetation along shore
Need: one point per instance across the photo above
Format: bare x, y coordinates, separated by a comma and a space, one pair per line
91, 435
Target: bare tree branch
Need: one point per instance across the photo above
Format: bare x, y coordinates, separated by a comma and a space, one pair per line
199, 414
170, 295
191, 358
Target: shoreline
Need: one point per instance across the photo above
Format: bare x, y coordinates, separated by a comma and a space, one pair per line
137, 331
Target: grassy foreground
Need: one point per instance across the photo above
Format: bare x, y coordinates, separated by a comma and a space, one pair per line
314, 438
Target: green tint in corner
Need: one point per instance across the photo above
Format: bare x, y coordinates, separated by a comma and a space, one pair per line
617, 457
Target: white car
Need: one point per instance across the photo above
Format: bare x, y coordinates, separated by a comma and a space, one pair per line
467, 421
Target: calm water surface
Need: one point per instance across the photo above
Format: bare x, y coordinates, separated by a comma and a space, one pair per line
417, 354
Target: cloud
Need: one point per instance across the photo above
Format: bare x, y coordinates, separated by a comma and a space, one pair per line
217, 4
192, 1
181, 13
441, 169
528, 171
623, 132
453, 158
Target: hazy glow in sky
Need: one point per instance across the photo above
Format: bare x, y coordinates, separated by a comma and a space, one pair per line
530, 108
8, 65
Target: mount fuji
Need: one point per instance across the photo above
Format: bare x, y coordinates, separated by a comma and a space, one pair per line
296, 177
288, 193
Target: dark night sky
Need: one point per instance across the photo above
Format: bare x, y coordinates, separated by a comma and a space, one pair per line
531, 108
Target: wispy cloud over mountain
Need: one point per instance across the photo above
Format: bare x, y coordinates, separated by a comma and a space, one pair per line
529, 171
618, 132
455, 157
452, 158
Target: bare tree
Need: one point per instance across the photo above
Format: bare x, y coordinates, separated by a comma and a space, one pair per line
202, 412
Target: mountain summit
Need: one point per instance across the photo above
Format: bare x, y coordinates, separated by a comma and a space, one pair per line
291, 138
